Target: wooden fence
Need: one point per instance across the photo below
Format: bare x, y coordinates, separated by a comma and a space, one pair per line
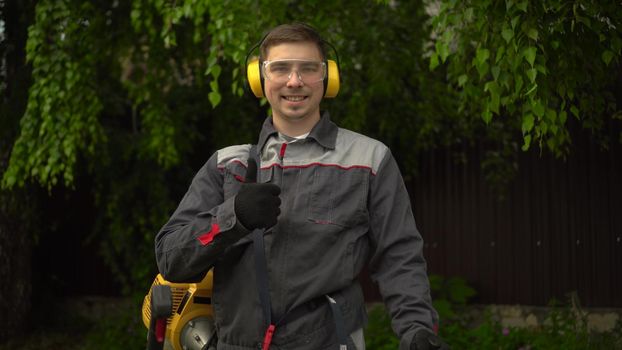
558, 230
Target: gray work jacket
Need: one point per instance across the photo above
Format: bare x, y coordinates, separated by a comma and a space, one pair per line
344, 204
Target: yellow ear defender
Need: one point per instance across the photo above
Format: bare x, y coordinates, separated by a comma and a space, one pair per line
331, 83
253, 74
256, 79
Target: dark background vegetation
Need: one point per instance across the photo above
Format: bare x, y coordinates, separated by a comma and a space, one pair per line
504, 117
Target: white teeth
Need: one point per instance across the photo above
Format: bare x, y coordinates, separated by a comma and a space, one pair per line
294, 98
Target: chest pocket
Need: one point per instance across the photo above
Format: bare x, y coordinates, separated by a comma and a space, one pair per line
338, 196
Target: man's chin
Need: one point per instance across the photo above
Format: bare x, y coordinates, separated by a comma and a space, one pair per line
295, 115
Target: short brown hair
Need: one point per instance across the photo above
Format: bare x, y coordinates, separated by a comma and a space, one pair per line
291, 33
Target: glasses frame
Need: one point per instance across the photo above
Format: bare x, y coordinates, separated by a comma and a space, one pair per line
265, 64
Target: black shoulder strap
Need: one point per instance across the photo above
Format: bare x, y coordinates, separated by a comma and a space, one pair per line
261, 269
254, 153
260, 257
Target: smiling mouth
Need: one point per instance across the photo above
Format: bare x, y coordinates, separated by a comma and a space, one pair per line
295, 98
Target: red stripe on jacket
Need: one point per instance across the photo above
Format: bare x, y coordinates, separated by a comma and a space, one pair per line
206, 238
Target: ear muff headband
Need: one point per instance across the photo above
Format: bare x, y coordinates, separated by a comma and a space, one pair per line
256, 79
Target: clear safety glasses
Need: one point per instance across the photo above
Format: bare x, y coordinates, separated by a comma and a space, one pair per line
280, 71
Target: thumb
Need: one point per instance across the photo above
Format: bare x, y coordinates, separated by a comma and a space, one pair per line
251, 171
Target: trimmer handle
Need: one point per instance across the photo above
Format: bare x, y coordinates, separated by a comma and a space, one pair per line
161, 309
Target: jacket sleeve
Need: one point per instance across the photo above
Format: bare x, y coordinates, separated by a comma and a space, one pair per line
397, 263
200, 230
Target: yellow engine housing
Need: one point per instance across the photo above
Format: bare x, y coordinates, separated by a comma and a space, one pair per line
190, 301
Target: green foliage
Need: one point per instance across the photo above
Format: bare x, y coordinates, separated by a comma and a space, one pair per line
123, 330
449, 295
135, 207
378, 333
63, 328
532, 64
565, 328
149, 49
61, 118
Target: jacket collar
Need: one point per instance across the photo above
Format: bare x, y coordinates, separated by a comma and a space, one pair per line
324, 132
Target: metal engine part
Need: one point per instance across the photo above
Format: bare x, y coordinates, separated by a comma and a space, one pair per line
197, 333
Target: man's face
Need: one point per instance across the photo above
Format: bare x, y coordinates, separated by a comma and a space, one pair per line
295, 99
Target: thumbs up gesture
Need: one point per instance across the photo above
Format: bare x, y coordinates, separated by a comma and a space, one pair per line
257, 205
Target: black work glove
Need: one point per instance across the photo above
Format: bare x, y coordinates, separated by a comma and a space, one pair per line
257, 205
426, 340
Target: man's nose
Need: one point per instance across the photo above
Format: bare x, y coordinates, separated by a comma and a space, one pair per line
294, 79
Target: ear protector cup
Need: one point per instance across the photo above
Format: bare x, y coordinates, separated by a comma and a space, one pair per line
331, 83
256, 79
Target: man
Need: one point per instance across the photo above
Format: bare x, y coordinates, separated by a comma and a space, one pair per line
330, 200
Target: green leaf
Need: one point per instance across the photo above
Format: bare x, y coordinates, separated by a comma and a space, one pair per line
575, 111
443, 307
215, 71
514, 21
214, 98
504, 80
481, 55
433, 61
487, 116
531, 74
607, 56
522, 5
459, 291
494, 100
530, 54
527, 142
495, 72
436, 282
493, 88
211, 61
518, 84
563, 116
482, 69
9, 180
507, 34
537, 108
585, 21
462, 80
527, 124
505, 100
468, 14
533, 33
442, 49
551, 115
499, 55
